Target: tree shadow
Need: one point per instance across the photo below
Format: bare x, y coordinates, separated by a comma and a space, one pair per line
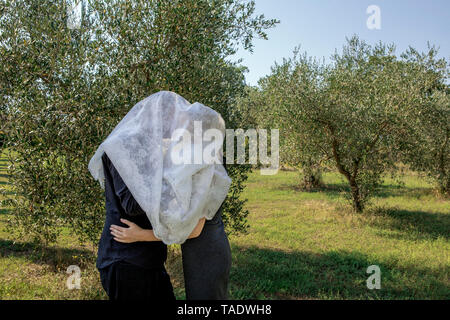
4, 211
414, 224
3, 175
330, 190
393, 190
262, 273
270, 274
335, 190
55, 257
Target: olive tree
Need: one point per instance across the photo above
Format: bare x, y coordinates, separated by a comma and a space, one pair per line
353, 110
299, 140
425, 146
67, 88
432, 146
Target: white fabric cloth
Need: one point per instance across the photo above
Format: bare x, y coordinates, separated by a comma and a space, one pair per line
174, 196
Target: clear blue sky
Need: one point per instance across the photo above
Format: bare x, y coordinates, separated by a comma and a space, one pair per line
321, 26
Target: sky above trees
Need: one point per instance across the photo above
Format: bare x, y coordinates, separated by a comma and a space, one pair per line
320, 27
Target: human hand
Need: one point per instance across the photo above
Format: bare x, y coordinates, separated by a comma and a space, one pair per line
131, 234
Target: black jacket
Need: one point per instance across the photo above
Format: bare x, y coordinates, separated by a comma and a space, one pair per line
121, 204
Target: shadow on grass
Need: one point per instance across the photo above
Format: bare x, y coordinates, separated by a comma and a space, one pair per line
7, 192
4, 211
55, 257
260, 273
413, 224
334, 190
329, 190
269, 274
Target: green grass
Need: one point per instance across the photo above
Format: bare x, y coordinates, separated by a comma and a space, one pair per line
311, 246
300, 245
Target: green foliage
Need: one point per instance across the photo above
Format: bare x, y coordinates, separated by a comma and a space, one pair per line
299, 140
433, 156
2, 139
262, 108
352, 114
66, 90
425, 145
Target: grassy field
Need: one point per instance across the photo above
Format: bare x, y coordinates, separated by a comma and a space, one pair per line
301, 245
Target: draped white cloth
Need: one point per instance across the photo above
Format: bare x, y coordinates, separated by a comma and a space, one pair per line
142, 147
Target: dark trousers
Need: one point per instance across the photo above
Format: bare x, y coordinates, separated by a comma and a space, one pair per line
125, 281
207, 263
